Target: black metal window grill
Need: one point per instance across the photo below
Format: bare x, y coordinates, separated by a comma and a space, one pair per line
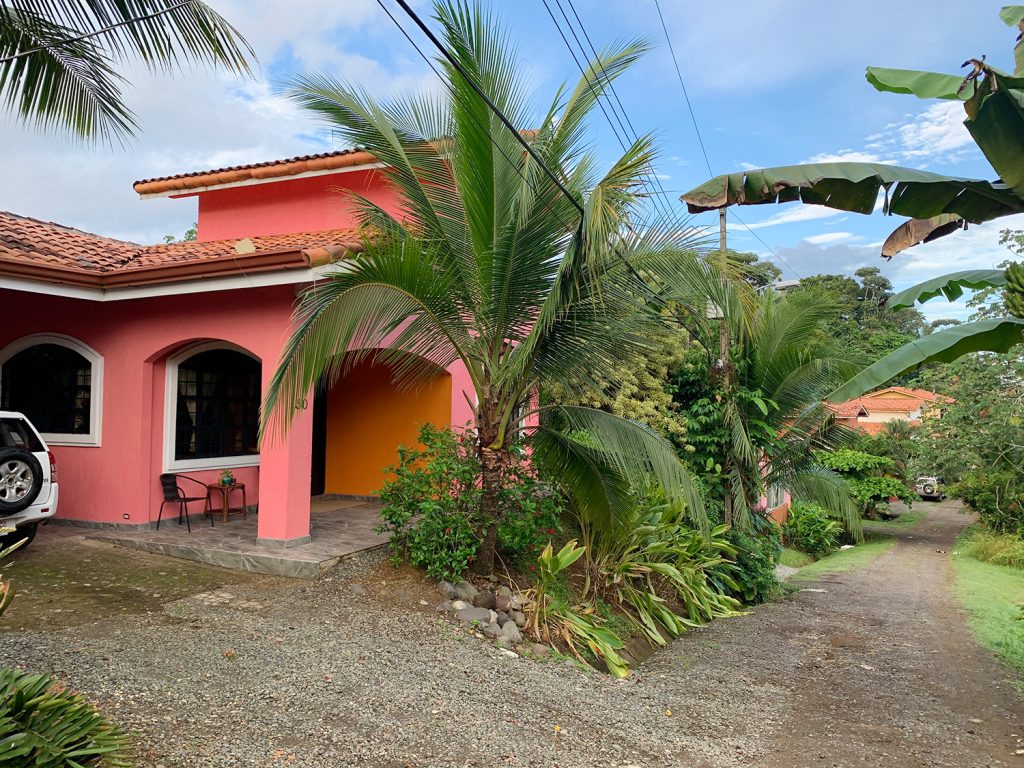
218, 405
52, 385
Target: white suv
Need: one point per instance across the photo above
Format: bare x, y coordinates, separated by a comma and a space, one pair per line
28, 478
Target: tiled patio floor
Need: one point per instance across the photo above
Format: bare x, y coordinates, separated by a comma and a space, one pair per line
339, 528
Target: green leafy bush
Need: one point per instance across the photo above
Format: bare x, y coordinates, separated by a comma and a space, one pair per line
431, 508
758, 550
810, 529
44, 725
870, 479
996, 496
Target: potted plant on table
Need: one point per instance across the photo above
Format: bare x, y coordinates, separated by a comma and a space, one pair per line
227, 477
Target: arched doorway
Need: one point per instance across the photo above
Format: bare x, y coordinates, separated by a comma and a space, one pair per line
360, 422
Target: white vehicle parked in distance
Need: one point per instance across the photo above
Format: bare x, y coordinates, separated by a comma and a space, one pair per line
28, 479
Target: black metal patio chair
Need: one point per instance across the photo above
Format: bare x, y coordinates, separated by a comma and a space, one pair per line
175, 494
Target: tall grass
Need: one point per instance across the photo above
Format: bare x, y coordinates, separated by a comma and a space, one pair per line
996, 548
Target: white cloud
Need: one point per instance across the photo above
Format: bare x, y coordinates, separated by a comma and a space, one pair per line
847, 156
198, 120
829, 237
796, 214
938, 130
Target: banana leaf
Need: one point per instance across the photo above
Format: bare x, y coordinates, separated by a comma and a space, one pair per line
951, 286
1011, 14
996, 123
924, 85
993, 335
855, 187
915, 231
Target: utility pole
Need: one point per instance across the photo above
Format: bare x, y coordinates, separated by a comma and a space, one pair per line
723, 354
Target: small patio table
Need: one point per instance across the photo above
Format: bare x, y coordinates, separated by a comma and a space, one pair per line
225, 498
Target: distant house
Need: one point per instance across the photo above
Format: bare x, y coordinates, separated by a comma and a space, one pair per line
870, 413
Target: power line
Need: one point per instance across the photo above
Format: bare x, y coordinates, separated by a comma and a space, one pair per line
668, 208
700, 139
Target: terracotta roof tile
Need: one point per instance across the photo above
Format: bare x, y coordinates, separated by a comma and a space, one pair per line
30, 247
44, 242
182, 182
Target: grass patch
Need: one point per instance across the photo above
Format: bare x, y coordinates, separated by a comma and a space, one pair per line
992, 595
848, 559
794, 558
909, 518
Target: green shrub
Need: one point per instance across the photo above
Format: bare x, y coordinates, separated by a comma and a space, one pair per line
810, 529
44, 725
995, 548
531, 514
431, 508
758, 550
996, 497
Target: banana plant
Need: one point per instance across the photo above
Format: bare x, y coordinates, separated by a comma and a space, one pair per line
997, 334
935, 205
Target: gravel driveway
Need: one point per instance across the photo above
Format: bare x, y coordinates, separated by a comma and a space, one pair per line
355, 670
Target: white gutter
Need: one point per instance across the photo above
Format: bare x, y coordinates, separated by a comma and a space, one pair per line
196, 285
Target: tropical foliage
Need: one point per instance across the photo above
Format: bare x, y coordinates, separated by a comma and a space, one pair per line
871, 479
494, 265
430, 506
810, 529
43, 724
59, 61
936, 205
761, 424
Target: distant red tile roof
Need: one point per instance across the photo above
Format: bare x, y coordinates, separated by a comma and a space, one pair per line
848, 410
875, 427
919, 394
41, 250
183, 182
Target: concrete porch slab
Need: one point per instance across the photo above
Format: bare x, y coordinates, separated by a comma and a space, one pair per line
338, 530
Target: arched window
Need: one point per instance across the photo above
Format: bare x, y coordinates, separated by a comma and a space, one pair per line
56, 382
214, 394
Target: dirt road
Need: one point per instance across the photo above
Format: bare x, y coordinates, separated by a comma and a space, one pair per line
891, 675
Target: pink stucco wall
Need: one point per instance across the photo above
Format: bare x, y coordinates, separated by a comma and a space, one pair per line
298, 205
118, 481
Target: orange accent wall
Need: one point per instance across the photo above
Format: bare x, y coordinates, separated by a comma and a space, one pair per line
368, 417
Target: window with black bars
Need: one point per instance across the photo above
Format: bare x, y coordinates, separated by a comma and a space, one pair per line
52, 385
218, 405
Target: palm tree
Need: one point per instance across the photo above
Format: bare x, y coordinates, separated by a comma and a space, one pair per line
771, 406
57, 60
490, 264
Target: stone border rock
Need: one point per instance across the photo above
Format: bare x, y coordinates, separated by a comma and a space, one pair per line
492, 613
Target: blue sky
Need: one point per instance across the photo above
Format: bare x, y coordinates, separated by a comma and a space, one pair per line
772, 83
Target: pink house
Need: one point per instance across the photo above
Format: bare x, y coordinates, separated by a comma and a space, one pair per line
139, 360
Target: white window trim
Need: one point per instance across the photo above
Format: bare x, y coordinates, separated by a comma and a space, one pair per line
93, 439
172, 464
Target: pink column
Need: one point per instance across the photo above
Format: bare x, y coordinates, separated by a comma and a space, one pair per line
285, 468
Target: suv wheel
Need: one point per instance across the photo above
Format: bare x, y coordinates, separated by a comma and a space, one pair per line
21, 479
